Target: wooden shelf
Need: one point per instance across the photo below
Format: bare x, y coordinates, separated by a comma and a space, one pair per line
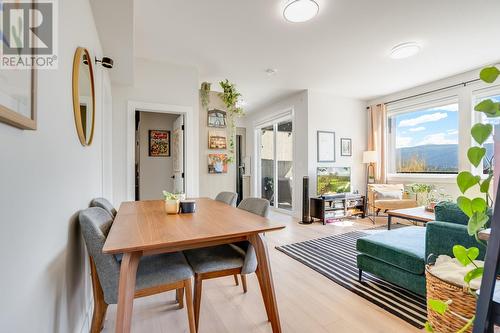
322, 208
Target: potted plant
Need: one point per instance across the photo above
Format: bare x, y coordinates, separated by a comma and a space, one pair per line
231, 98
172, 202
440, 299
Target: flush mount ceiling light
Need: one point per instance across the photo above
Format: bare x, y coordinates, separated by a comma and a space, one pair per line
300, 10
404, 50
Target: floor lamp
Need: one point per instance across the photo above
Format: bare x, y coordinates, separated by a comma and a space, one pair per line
369, 158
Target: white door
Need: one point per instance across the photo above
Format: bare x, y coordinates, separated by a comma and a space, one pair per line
178, 154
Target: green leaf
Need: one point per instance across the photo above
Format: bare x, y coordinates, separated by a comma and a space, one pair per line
465, 204
485, 185
469, 207
489, 74
476, 222
489, 107
465, 256
465, 180
473, 274
438, 306
475, 155
460, 253
481, 132
473, 253
479, 205
428, 327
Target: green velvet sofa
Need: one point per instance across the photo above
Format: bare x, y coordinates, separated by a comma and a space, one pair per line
399, 255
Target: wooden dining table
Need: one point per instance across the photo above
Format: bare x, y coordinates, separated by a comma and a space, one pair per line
143, 228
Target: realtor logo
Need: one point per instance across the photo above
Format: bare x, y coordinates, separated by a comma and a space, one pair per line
28, 34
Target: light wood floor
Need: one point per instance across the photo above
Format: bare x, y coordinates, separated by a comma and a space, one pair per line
308, 301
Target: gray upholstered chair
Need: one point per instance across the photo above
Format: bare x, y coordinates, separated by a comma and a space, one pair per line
225, 260
227, 197
104, 204
155, 274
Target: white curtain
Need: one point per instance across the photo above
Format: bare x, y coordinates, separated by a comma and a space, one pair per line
377, 123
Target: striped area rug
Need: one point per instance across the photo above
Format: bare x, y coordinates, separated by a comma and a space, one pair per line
335, 258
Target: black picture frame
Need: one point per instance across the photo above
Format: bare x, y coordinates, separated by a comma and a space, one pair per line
325, 146
348, 142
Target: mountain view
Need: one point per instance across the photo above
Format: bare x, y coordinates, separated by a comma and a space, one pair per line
431, 158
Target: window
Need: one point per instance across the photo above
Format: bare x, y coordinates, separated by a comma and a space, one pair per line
481, 117
424, 140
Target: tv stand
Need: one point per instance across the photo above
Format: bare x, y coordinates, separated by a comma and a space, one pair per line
330, 208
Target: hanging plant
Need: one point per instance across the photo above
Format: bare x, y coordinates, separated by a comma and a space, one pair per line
205, 94
231, 98
475, 208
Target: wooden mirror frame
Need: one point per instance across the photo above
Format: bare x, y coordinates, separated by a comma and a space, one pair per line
76, 95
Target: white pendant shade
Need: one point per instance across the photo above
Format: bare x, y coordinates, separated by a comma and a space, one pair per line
300, 10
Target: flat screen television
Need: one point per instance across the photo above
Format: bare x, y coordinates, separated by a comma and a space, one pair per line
332, 180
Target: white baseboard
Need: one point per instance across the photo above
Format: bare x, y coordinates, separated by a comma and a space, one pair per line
87, 318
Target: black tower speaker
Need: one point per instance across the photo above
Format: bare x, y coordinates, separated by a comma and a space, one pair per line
306, 219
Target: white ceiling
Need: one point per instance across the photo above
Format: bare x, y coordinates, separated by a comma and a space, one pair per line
344, 50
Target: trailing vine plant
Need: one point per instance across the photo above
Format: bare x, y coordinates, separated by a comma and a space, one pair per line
205, 94
231, 98
476, 208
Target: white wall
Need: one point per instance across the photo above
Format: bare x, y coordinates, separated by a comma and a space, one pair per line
348, 119
46, 177
466, 119
155, 172
163, 83
212, 184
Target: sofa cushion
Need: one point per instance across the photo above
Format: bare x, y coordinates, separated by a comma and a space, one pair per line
403, 248
388, 195
394, 204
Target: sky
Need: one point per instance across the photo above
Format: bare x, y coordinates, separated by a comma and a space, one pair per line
429, 126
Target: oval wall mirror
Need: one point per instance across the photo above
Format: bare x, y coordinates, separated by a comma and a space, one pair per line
83, 95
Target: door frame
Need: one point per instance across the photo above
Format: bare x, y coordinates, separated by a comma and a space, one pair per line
287, 114
185, 111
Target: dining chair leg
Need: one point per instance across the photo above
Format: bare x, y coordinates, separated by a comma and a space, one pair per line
197, 299
100, 305
189, 305
180, 297
244, 282
267, 287
236, 279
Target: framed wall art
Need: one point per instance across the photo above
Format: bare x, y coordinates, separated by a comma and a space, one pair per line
217, 163
326, 146
217, 140
345, 147
159, 143
217, 118
18, 98
18, 87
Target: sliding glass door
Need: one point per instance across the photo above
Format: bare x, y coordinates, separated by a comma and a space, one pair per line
276, 164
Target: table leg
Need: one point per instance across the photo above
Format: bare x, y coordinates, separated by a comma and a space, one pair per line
389, 220
126, 290
266, 280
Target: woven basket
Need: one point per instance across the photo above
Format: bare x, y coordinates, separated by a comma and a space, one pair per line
463, 303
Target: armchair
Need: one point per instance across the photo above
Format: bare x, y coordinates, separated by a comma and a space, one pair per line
384, 197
